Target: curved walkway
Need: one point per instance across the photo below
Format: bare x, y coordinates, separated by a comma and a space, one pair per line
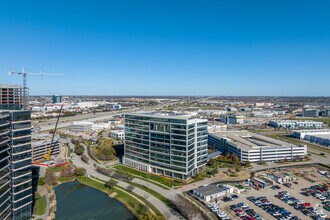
152, 211
167, 212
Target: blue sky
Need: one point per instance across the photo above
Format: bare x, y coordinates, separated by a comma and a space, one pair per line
167, 47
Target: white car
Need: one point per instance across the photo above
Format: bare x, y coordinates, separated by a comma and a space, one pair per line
322, 198
323, 215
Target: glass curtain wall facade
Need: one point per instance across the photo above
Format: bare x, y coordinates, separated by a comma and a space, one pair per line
174, 146
15, 134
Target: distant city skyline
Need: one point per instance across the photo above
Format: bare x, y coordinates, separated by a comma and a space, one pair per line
168, 48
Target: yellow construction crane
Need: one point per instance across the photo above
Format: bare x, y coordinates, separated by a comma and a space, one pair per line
49, 151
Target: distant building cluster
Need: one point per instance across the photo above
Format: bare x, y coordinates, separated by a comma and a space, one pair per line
254, 147
293, 124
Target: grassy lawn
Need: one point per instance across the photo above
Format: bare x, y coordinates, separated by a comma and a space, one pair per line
155, 194
41, 181
56, 169
140, 197
292, 140
40, 206
160, 179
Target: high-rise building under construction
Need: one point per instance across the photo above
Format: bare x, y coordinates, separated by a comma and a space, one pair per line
11, 97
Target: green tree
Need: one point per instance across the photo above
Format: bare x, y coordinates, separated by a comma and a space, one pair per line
80, 171
78, 148
111, 183
237, 169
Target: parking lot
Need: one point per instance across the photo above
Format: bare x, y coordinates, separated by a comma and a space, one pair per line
268, 192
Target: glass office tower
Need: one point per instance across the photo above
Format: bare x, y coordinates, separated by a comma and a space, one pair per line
15, 165
165, 143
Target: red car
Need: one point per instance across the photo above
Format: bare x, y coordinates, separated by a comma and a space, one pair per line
306, 204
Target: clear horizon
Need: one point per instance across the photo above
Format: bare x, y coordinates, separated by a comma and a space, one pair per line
168, 48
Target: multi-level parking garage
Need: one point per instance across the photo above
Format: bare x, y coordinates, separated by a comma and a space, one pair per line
253, 147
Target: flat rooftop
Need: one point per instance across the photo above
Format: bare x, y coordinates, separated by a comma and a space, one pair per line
209, 190
171, 115
9, 86
324, 136
249, 141
312, 131
295, 121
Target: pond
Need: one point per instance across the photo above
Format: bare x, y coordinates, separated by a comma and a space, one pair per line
78, 201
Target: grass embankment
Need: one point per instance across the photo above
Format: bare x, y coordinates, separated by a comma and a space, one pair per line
40, 205
41, 181
169, 182
130, 202
159, 196
157, 212
288, 138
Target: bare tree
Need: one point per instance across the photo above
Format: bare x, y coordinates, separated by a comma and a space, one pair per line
130, 188
186, 208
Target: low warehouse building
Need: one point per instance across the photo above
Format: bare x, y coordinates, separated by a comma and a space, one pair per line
207, 193
292, 124
82, 126
319, 136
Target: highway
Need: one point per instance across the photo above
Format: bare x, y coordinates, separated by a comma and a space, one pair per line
99, 116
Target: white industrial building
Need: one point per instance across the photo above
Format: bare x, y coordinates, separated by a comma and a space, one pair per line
100, 126
232, 119
293, 124
81, 126
117, 134
216, 127
209, 192
263, 114
319, 136
254, 147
